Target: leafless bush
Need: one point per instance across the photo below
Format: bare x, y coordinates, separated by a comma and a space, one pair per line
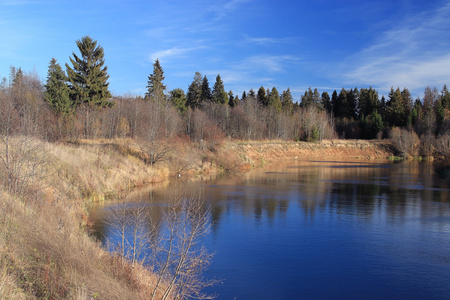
177, 253
442, 145
129, 224
316, 124
427, 144
173, 245
407, 142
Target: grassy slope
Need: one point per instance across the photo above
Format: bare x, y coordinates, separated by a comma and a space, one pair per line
45, 251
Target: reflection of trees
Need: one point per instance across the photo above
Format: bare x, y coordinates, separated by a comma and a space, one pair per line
362, 190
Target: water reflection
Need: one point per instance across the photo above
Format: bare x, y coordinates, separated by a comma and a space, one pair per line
378, 230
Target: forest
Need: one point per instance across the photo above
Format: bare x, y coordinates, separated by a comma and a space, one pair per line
76, 103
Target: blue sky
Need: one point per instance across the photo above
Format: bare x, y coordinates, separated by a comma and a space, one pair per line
251, 43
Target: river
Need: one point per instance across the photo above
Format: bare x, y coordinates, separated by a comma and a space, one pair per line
322, 230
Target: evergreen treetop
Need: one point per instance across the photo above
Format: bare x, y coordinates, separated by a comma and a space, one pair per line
206, 90
89, 78
57, 91
155, 87
218, 93
194, 93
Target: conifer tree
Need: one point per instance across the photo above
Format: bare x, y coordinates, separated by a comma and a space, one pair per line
244, 96
445, 97
206, 90
88, 78
326, 102
335, 104
178, 99
232, 101
218, 93
262, 97
194, 93
155, 87
251, 94
274, 99
368, 101
395, 112
287, 102
57, 91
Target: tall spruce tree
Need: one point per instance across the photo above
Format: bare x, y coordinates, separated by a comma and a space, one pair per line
155, 87
262, 97
287, 102
274, 99
206, 90
57, 91
89, 78
194, 94
218, 93
445, 97
395, 109
326, 102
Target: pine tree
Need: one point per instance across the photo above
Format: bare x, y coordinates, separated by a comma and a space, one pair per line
244, 96
368, 102
274, 99
178, 99
194, 93
57, 91
251, 94
88, 78
155, 87
287, 102
326, 102
395, 112
445, 97
206, 90
231, 99
340, 104
352, 103
218, 93
335, 104
262, 97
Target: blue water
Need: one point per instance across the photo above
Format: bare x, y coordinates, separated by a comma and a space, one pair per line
327, 230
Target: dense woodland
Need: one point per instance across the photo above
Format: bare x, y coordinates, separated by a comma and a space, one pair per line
76, 103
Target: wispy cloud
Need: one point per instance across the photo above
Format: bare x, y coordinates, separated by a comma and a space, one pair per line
221, 9
172, 52
409, 54
271, 63
270, 40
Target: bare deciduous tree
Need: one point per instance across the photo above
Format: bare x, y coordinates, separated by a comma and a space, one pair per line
171, 246
178, 255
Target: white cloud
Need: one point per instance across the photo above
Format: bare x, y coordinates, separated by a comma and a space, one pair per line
414, 53
172, 52
270, 41
272, 63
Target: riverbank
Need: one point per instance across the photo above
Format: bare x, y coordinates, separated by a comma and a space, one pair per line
45, 248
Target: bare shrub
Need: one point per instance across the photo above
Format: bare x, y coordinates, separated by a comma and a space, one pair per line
173, 245
316, 124
427, 145
407, 142
154, 151
442, 145
177, 253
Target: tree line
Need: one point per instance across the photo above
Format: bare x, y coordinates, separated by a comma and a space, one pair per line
76, 103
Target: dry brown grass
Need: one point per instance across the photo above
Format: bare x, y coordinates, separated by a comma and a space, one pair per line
45, 253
